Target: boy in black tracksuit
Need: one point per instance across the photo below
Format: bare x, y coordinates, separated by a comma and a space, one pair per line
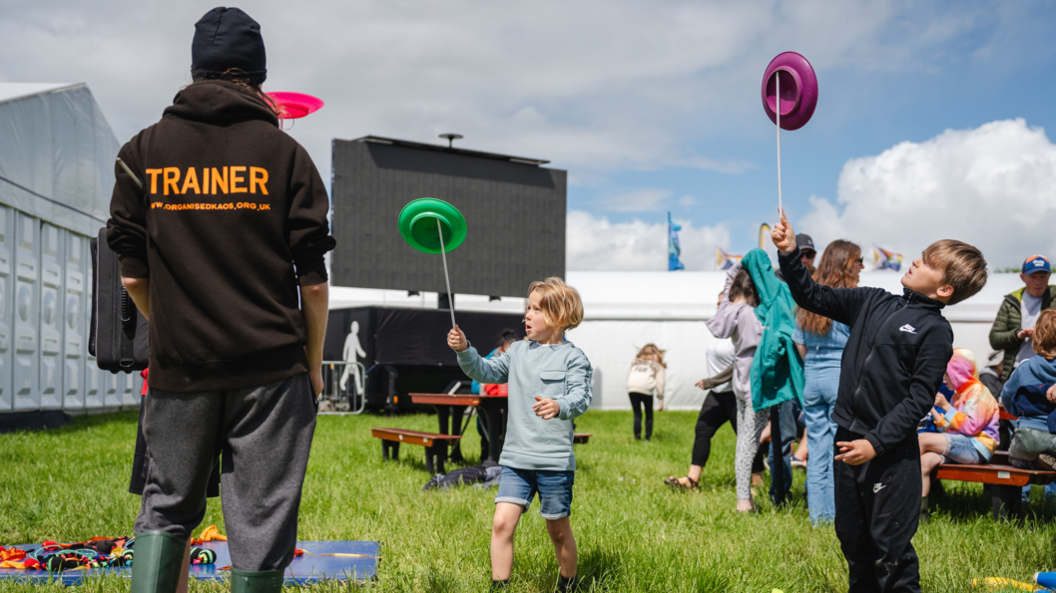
891, 370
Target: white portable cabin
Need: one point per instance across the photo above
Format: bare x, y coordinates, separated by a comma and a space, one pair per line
56, 178
626, 310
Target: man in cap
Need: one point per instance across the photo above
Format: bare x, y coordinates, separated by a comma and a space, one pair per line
806, 247
236, 297
1019, 311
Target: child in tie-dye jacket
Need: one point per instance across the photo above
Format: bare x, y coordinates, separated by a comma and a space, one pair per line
967, 425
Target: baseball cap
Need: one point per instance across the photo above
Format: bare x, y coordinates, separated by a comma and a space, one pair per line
1036, 263
803, 241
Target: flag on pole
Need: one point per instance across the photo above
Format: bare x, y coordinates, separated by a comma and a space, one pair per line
886, 260
725, 261
674, 249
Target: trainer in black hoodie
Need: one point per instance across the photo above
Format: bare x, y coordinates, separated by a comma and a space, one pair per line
244, 208
892, 366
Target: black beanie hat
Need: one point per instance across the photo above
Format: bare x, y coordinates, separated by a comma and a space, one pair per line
227, 38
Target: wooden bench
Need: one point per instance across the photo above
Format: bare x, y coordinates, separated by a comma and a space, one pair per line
581, 438
1006, 482
435, 445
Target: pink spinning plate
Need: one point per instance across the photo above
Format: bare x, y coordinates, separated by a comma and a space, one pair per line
295, 105
799, 90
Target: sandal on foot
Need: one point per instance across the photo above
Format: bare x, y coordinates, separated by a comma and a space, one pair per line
677, 484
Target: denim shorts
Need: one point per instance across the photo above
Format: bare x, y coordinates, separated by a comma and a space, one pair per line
961, 449
554, 487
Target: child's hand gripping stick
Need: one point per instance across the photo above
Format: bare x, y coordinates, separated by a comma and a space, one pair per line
784, 236
457, 340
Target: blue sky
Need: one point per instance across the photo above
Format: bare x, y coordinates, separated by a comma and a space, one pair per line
990, 68
650, 106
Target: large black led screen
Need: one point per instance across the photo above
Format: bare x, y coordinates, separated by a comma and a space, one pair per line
515, 214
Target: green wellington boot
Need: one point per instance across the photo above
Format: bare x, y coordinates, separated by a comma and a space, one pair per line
156, 562
265, 581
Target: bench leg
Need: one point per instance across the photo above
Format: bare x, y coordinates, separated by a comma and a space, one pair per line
441, 457
457, 414
390, 450
1006, 502
435, 457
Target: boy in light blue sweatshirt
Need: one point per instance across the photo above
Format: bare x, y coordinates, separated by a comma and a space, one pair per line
549, 385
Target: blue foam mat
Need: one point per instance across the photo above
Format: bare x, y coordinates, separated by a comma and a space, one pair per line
322, 561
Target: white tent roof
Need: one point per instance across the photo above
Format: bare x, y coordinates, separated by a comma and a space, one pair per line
57, 157
18, 90
626, 310
660, 296
693, 295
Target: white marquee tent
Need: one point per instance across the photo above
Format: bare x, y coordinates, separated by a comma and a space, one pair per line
56, 176
626, 310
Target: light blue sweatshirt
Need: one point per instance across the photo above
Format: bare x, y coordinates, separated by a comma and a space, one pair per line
560, 372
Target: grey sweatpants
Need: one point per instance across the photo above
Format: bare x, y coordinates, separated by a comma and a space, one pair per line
1029, 443
264, 435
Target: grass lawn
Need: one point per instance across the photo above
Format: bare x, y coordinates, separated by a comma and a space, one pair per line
633, 532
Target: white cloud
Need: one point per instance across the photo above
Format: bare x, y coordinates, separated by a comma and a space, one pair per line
639, 200
993, 186
594, 243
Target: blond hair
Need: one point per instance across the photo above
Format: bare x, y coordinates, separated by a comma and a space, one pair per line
561, 305
963, 267
651, 352
1044, 340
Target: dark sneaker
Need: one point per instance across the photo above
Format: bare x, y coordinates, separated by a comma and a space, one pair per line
566, 585
1047, 461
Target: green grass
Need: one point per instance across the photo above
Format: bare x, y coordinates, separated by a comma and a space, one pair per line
633, 532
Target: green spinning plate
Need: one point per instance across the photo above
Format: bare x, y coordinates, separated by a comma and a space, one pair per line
418, 225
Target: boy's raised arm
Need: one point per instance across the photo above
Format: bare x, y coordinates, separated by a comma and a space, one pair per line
578, 391
482, 370
840, 304
927, 375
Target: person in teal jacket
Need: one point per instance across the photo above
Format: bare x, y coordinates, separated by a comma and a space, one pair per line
777, 369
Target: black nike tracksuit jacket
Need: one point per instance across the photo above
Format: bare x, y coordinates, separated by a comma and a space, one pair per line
894, 359
891, 370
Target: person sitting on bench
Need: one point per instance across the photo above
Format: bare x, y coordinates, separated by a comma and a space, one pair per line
1029, 394
967, 425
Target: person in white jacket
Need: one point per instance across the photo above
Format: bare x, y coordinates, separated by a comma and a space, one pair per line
644, 380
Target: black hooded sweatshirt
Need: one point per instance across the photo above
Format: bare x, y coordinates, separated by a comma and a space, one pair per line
894, 359
231, 218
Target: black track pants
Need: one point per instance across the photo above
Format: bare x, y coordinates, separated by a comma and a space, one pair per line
639, 401
877, 511
718, 409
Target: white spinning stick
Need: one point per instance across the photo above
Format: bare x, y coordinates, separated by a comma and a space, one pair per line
777, 77
443, 254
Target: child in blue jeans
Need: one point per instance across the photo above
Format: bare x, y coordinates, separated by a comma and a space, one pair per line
549, 385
